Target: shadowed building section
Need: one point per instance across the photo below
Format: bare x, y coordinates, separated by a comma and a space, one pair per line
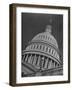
42, 57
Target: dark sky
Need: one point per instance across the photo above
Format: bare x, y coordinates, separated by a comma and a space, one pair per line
32, 24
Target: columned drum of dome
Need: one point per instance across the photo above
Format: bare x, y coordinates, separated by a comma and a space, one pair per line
42, 56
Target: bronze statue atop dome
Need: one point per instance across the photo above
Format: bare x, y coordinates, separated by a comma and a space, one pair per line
48, 28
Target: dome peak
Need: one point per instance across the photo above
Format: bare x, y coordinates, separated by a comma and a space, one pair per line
48, 29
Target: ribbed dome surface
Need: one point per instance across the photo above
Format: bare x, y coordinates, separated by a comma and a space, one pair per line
44, 42
47, 38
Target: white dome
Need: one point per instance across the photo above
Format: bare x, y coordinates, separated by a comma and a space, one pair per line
45, 37
45, 43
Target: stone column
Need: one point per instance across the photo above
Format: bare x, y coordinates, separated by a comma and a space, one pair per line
35, 46
39, 58
29, 59
54, 65
34, 59
26, 59
42, 62
23, 58
38, 47
50, 64
46, 63
42, 47
51, 52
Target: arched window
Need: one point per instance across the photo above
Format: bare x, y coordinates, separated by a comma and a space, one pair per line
46, 36
49, 50
43, 48
46, 49
52, 51
34, 46
40, 47
37, 46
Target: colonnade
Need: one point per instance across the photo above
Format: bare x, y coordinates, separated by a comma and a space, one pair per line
40, 61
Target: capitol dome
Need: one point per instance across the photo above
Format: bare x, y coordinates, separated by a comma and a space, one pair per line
42, 52
46, 37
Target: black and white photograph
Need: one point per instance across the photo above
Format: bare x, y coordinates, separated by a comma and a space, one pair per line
42, 45
39, 44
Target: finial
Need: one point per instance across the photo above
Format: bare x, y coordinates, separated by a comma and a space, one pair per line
48, 29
